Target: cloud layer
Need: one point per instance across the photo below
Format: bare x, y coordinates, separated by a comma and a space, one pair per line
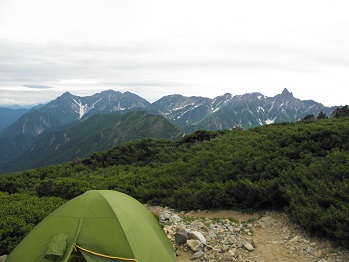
155, 48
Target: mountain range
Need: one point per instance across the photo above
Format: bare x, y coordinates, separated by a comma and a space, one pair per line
72, 126
227, 111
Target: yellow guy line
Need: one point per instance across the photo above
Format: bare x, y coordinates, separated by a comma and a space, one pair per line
101, 255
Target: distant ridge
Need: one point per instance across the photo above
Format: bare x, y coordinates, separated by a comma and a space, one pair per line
184, 113
228, 111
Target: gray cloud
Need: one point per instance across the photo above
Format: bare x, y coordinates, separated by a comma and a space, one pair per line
142, 83
38, 86
47, 62
134, 63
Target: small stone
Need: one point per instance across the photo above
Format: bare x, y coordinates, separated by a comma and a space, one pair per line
181, 237
231, 229
205, 228
195, 245
197, 236
179, 228
165, 216
197, 255
248, 246
175, 218
296, 238
212, 234
231, 253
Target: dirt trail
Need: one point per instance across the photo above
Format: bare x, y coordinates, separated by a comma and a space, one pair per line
275, 238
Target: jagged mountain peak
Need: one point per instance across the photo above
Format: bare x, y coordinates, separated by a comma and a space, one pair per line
65, 96
248, 97
110, 91
286, 94
225, 96
220, 101
173, 100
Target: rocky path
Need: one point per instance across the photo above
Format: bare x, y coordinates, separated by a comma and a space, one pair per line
234, 236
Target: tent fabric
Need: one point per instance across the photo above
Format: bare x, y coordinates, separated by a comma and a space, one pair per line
56, 248
105, 222
91, 254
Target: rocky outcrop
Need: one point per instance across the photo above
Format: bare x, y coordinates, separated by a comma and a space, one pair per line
266, 237
208, 239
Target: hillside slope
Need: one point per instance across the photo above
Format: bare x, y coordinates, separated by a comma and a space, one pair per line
97, 133
9, 116
228, 111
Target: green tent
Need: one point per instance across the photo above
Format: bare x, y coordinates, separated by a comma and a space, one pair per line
101, 225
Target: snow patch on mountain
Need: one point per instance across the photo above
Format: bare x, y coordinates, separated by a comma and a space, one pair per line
182, 114
121, 108
272, 105
181, 107
260, 109
270, 121
81, 108
220, 104
216, 109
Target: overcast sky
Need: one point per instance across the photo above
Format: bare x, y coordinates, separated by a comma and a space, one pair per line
158, 47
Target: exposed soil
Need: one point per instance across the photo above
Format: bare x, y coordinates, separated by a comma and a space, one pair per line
274, 237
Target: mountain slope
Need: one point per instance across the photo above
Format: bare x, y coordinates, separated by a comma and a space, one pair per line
183, 111
9, 116
97, 133
67, 108
227, 111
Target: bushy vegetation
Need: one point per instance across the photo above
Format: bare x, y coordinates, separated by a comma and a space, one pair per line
301, 167
19, 214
